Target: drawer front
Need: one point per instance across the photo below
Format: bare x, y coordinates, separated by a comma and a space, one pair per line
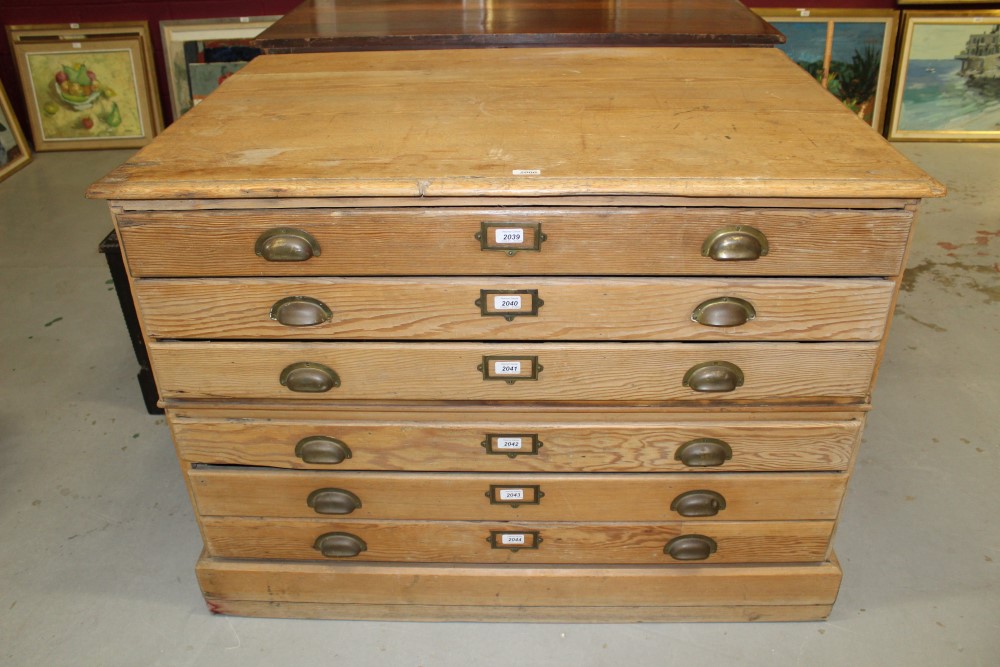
517, 444
471, 591
513, 542
559, 241
650, 372
522, 309
221, 491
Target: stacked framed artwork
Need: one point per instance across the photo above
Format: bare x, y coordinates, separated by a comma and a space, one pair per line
201, 54
916, 75
14, 152
848, 51
88, 85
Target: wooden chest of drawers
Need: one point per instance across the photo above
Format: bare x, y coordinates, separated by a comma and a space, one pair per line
517, 335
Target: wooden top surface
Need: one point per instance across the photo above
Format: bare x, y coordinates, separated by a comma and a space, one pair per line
630, 121
350, 25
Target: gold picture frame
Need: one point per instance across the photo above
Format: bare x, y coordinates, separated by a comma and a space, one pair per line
14, 152
183, 41
850, 52
88, 86
948, 77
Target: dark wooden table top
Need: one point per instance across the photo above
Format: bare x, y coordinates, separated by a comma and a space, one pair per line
360, 25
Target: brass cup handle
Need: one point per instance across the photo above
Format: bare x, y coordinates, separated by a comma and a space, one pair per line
308, 377
726, 311
735, 244
340, 545
333, 501
322, 450
704, 453
714, 377
698, 503
690, 547
300, 311
285, 244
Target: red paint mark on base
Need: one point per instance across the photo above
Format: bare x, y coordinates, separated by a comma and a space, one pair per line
948, 246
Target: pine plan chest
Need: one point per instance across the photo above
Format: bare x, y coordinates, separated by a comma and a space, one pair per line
544, 334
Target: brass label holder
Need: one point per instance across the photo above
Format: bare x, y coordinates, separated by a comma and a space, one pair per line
509, 303
514, 541
514, 495
512, 445
511, 237
510, 368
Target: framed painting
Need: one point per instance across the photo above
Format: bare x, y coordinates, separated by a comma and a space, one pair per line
201, 54
849, 52
87, 86
14, 152
948, 78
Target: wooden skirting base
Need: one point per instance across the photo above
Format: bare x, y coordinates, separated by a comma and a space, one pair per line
419, 592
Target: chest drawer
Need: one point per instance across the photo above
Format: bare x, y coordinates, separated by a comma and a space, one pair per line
553, 240
517, 442
518, 542
522, 309
650, 372
221, 491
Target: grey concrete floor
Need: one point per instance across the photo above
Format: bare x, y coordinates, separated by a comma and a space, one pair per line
97, 542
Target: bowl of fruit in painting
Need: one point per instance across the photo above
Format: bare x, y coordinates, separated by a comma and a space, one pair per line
77, 86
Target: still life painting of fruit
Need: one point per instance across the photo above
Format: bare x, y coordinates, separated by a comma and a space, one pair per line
88, 95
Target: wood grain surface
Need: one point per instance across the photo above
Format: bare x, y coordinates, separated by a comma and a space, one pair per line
468, 541
534, 122
517, 586
622, 372
249, 492
329, 25
446, 441
571, 309
579, 241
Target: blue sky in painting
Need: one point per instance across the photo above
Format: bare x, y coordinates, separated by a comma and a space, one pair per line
807, 41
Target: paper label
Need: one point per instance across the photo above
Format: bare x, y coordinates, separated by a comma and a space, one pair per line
527, 172
74, 26
509, 443
244, 19
77, 45
512, 538
514, 235
507, 367
511, 494
507, 302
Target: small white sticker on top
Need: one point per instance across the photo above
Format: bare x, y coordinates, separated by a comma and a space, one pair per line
507, 367
527, 172
513, 235
507, 302
511, 494
509, 443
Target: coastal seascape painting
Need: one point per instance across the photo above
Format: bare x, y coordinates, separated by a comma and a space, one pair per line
849, 52
948, 81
